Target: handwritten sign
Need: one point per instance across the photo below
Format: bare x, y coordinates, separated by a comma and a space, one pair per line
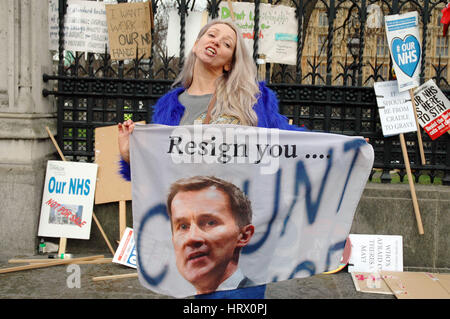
277, 37
395, 109
433, 109
68, 200
403, 37
129, 30
85, 26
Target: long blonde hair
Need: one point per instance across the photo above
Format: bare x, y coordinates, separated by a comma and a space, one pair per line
237, 89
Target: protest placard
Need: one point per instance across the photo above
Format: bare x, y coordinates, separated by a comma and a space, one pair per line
403, 38
126, 252
85, 27
265, 204
129, 30
402, 32
194, 22
277, 37
372, 253
395, 109
68, 200
433, 109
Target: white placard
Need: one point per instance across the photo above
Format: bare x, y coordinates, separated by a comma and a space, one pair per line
395, 109
404, 43
68, 200
433, 109
126, 252
193, 25
372, 253
85, 27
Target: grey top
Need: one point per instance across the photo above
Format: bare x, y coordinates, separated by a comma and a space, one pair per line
195, 106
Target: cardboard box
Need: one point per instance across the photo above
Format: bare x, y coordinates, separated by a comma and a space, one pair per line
417, 285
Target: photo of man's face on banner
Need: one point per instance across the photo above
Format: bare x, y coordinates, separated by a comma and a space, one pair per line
222, 207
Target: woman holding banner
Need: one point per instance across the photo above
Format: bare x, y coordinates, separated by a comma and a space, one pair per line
217, 85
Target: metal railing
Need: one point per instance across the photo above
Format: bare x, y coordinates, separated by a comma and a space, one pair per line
327, 90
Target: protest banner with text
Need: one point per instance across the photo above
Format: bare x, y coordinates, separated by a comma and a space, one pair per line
216, 207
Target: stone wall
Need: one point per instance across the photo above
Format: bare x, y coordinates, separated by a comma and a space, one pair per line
25, 146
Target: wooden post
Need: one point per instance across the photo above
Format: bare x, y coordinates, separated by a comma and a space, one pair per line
411, 184
63, 241
419, 135
111, 277
230, 6
122, 218
48, 264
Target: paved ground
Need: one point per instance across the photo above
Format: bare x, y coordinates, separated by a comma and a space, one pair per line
51, 283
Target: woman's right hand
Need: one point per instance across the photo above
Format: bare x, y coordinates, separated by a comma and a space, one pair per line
125, 129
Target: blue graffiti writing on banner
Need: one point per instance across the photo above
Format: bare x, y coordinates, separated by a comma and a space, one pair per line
348, 146
307, 265
301, 177
157, 210
406, 54
253, 247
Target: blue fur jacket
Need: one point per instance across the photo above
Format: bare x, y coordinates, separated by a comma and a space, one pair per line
169, 111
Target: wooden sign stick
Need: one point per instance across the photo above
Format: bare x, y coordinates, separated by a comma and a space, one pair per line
411, 184
122, 217
63, 241
48, 264
419, 135
111, 277
230, 6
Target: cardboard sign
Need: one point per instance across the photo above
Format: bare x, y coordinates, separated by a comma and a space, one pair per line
126, 252
370, 283
286, 199
68, 200
129, 30
433, 109
85, 26
418, 285
404, 43
395, 109
111, 187
372, 253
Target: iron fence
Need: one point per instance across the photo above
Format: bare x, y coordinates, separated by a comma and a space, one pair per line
327, 90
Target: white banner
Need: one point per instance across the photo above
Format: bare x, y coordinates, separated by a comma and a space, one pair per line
194, 22
68, 200
300, 189
85, 27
